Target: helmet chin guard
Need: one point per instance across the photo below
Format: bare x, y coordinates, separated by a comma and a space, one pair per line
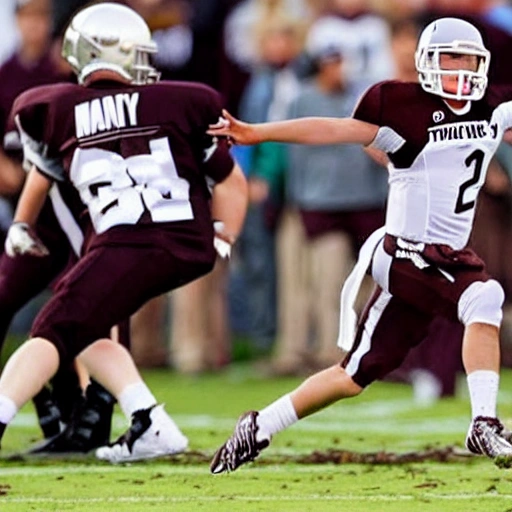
110, 37
452, 36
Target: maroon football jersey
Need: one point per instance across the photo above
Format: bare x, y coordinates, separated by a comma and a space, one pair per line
136, 154
15, 77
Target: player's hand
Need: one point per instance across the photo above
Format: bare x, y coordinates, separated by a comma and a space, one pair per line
222, 241
235, 130
21, 239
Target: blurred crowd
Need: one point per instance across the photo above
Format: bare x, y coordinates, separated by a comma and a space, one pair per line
310, 207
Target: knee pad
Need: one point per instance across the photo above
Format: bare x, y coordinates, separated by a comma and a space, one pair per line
482, 302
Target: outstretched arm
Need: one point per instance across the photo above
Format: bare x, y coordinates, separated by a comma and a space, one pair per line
306, 130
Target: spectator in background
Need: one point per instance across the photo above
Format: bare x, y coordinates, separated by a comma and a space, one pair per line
8, 34
31, 65
200, 330
394, 10
240, 47
169, 22
338, 194
273, 84
499, 14
208, 60
364, 36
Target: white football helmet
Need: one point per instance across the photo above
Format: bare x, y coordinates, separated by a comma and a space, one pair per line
452, 35
113, 37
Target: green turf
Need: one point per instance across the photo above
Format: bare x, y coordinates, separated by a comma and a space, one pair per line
383, 419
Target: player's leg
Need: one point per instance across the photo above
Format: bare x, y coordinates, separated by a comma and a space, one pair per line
21, 279
88, 425
37, 360
152, 432
91, 421
97, 293
88, 418
290, 349
467, 294
378, 349
480, 310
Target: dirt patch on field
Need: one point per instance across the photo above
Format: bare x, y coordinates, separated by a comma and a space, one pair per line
444, 454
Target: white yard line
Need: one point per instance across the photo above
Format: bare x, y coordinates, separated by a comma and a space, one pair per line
277, 498
349, 421
166, 468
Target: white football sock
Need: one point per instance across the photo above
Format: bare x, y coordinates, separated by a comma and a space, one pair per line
8, 409
135, 397
483, 392
276, 417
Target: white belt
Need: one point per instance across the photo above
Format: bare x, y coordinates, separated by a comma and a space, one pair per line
350, 290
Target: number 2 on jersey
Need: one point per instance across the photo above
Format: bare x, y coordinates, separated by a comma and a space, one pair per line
476, 158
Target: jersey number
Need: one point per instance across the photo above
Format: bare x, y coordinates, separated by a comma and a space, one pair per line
477, 157
118, 190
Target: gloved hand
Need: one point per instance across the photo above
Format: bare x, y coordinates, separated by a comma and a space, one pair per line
21, 239
221, 241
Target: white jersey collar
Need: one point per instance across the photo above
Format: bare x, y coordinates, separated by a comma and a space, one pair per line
459, 111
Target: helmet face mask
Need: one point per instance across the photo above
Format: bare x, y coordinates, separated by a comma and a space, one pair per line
456, 38
110, 37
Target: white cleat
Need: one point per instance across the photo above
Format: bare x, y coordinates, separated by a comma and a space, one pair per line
152, 434
488, 436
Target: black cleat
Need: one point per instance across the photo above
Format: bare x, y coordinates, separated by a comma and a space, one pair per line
48, 414
89, 426
241, 447
487, 436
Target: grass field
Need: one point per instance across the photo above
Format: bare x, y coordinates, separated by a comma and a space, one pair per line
301, 471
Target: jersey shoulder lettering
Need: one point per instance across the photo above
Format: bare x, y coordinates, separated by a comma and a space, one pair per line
438, 158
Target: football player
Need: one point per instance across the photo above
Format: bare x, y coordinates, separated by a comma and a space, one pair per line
21, 279
137, 152
439, 136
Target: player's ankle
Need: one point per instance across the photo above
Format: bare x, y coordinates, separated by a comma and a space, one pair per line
8, 409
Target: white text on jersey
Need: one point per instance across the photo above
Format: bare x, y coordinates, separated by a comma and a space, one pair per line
107, 113
461, 131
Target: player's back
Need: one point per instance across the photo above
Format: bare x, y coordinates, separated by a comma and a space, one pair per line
135, 153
